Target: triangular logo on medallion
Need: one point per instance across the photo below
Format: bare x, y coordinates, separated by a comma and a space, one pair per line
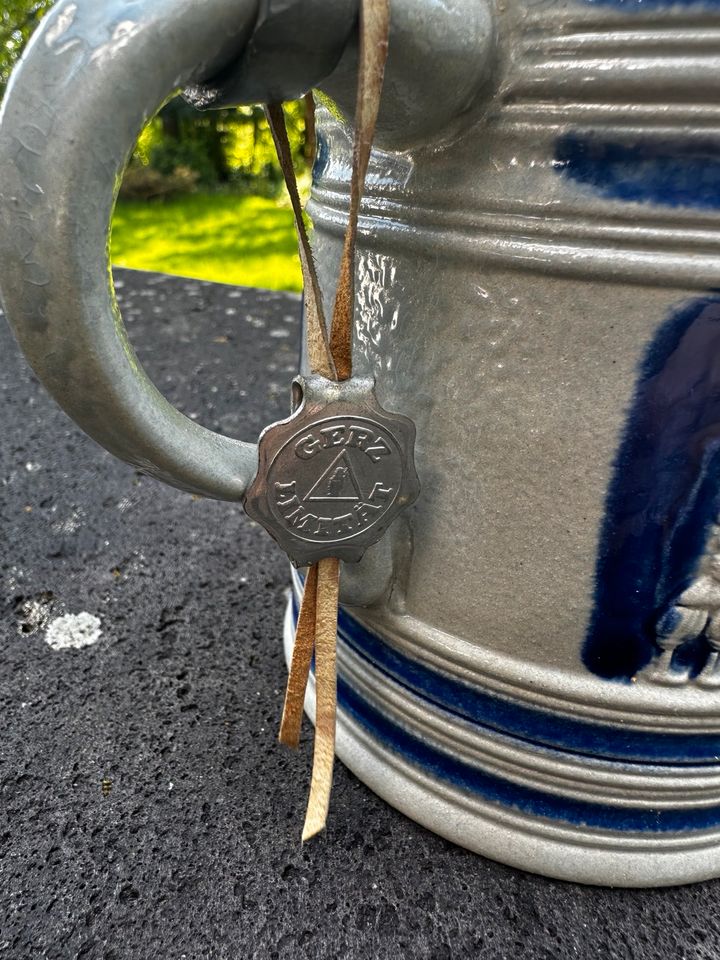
338, 482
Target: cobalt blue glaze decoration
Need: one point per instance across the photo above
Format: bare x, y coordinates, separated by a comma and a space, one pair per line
670, 171
663, 496
497, 790
321, 157
641, 6
546, 729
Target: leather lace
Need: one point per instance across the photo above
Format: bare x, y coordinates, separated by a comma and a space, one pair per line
330, 357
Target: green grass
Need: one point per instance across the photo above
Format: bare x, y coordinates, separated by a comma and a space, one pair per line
232, 239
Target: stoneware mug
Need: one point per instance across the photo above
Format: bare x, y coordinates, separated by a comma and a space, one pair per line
529, 662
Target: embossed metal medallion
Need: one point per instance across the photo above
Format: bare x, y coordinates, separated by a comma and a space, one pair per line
334, 475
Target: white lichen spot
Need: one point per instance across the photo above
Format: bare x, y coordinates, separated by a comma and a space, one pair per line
73, 631
14, 578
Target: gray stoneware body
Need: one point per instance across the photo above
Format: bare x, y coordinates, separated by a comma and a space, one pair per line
528, 662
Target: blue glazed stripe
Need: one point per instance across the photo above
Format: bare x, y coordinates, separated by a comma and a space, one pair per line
495, 789
531, 724
525, 799
673, 172
518, 720
637, 6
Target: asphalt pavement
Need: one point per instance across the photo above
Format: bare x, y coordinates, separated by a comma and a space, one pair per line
146, 809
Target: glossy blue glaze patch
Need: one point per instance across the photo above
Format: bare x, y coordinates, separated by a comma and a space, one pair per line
663, 496
527, 799
675, 172
322, 155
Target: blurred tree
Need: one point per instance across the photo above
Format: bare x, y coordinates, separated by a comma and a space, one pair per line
18, 19
228, 148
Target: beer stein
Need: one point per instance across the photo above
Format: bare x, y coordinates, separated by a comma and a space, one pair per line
529, 661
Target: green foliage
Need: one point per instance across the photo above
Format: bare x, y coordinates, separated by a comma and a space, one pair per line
250, 148
18, 19
231, 147
167, 156
247, 240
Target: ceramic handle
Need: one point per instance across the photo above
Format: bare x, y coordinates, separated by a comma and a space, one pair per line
92, 76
